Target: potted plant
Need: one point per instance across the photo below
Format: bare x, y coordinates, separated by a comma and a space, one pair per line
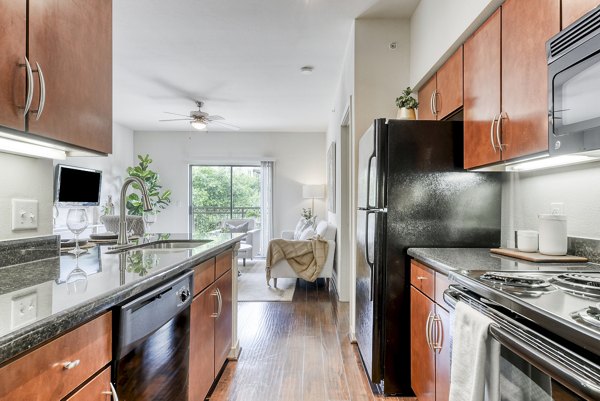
406, 105
158, 200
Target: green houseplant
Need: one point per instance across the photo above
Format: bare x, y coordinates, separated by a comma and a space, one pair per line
406, 105
158, 200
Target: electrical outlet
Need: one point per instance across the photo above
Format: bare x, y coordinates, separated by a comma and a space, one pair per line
24, 214
24, 309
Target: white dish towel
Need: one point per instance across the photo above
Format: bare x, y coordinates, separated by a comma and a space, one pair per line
475, 371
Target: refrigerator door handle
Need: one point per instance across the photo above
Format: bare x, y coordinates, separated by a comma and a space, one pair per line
369, 163
371, 264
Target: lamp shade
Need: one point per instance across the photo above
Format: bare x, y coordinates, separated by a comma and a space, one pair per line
313, 191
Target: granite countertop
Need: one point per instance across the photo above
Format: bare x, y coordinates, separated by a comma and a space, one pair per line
64, 298
447, 260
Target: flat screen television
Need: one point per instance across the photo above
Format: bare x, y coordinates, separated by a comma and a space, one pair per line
76, 186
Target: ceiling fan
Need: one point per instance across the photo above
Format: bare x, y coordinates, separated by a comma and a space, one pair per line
199, 119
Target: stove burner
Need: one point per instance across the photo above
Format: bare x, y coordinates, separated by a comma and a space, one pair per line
590, 315
515, 280
579, 282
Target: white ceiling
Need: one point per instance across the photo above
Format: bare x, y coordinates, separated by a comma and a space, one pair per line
242, 57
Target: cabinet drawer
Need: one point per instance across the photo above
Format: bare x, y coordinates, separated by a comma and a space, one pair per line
224, 261
96, 390
422, 278
441, 284
204, 275
42, 375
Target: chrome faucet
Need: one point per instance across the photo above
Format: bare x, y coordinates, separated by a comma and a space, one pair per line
122, 239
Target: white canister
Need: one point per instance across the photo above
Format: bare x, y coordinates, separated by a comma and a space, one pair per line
527, 240
553, 234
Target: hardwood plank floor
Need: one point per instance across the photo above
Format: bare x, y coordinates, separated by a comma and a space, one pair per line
296, 351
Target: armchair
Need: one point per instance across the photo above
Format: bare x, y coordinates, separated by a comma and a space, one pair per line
252, 237
327, 231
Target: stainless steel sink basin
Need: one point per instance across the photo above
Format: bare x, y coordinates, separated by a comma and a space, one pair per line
163, 245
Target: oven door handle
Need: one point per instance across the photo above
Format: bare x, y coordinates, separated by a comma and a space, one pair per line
534, 354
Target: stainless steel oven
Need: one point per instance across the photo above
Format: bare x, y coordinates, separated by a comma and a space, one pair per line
574, 86
533, 364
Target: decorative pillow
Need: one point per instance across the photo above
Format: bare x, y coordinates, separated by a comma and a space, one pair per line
302, 225
307, 234
232, 228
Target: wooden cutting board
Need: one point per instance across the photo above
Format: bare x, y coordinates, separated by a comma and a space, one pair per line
538, 257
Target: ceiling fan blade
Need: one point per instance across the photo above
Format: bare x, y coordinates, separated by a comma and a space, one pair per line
226, 125
178, 119
214, 118
176, 114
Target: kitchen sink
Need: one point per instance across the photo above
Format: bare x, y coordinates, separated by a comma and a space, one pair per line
163, 245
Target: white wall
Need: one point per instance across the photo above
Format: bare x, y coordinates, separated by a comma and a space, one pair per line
525, 195
438, 28
25, 178
299, 160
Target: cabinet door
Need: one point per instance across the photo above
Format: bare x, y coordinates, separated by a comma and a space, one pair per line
573, 9
450, 85
202, 344
223, 324
526, 26
482, 93
443, 338
71, 40
13, 33
96, 390
422, 358
425, 108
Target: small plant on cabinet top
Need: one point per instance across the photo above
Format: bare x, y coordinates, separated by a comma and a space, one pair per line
158, 200
406, 100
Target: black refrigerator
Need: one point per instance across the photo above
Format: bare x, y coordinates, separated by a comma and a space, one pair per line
412, 192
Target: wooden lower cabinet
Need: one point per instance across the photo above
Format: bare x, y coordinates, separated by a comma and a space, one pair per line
98, 389
211, 327
431, 340
202, 344
422, 357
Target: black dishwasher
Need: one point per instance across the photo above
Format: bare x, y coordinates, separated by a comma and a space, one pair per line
152, 348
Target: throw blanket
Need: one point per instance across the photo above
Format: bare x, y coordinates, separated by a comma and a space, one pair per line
307, 258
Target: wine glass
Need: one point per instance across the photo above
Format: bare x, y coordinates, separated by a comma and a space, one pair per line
77, 279
77, 222
150, 218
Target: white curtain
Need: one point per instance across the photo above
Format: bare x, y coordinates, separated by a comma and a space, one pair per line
266, 204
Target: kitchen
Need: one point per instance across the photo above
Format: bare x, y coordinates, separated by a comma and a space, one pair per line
501, 74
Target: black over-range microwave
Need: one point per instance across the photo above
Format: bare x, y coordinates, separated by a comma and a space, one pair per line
574, 87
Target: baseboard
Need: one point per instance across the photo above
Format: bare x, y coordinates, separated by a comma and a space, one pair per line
235, 352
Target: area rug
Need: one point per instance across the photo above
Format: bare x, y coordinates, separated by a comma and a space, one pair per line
252, 284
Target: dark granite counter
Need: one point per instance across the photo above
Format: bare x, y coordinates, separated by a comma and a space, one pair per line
446, 260
41, 299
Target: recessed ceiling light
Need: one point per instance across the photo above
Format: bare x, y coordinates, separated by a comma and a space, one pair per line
307, 70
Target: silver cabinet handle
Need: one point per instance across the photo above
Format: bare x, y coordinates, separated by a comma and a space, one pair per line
492, 133
428, 330
216, 294
431, 107
501, 116
439, 333
435, 110
421, 278
42, 92
113, 392
220, 299
71, 364
29, 97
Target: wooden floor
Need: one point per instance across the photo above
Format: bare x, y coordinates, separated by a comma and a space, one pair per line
295, 351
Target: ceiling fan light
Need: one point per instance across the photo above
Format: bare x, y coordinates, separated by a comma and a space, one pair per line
199, 125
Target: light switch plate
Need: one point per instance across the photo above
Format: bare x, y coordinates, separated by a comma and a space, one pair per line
24, 309
24, 214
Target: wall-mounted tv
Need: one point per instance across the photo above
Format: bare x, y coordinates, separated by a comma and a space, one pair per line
76, 186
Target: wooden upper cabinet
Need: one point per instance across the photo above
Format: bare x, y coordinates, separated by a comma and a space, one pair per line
573, 9
426, 93
526, 26
71, 40
13, 34
482, 93
449, 94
